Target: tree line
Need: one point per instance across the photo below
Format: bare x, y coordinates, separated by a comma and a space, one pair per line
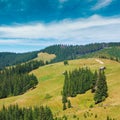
81, 80
62, 52
16, 80
67, 52
8, 59
112, 53
13, 112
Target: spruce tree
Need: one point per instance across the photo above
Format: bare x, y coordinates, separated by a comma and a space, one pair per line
101, 91
65, 88
94, 80
69, 104
64, 98
64, 106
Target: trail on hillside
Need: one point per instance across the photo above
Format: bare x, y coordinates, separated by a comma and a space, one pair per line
99, 61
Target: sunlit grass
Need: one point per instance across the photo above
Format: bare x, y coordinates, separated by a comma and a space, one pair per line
45, 57
51, 80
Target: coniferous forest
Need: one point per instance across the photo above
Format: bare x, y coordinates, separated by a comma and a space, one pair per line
16, 113
67, 52
16, 80
81, 80
8, 59
62, 52
101, 88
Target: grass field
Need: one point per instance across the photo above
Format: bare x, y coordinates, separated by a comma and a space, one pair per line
48, 91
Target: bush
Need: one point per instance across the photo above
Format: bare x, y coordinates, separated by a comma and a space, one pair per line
66, 62
74, 116
48, 96
91, 106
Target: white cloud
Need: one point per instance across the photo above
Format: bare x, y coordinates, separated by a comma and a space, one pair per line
101, 4
81, 31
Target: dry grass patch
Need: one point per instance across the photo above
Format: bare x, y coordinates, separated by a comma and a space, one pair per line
45, 57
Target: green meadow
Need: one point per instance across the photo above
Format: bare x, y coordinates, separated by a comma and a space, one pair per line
48, 91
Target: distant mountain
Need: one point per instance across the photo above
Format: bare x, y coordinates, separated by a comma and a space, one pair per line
62, 52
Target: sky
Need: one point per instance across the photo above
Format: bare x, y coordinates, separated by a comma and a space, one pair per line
29, 25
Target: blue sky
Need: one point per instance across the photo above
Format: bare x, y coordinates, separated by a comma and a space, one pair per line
28, 25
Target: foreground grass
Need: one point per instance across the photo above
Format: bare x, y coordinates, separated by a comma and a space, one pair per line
48, 91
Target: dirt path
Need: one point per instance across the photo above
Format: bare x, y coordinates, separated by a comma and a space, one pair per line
99, 61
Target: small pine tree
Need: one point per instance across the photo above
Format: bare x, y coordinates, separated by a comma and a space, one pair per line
64, 98
69, 104
95, 76
64, 117
46, 62
66, 62
64, 106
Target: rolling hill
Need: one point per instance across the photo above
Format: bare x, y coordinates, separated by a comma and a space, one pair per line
69, 52
57, 53
112, 53
48, 91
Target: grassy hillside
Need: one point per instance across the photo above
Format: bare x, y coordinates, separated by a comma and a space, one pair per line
109, 52
48, 91
59, 52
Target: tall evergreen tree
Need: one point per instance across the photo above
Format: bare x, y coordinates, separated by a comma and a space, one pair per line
101, 91
94, 80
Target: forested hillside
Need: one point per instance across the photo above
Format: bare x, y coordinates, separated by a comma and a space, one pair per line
112, 53
8, 59
80, 81
64, 52
16, 80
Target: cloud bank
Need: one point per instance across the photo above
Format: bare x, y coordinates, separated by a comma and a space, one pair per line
80, 31
58, 22
102, 4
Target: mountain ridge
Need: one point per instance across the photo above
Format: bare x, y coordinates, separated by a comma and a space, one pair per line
62, 52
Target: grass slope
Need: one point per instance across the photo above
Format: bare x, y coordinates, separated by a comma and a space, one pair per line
108, 52
45, 57
48, 91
